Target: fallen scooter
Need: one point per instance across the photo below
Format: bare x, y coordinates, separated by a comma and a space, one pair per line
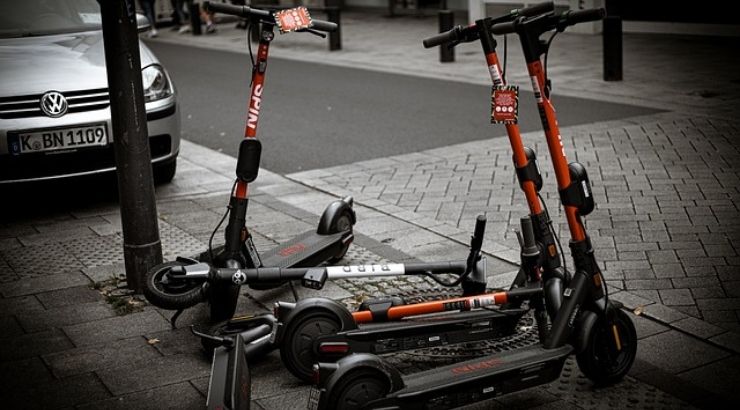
329, 242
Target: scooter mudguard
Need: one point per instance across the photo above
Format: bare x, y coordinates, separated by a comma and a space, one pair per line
286, 313
331, 373
230, 385
333, 211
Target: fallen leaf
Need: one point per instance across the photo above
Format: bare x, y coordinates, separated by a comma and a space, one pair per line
153, 341
638, 310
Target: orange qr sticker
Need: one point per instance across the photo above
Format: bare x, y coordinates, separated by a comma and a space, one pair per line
292, 19
505, 104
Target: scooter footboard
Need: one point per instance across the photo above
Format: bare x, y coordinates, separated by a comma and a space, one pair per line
230, 386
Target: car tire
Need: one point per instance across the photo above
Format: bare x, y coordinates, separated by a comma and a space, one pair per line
164, 172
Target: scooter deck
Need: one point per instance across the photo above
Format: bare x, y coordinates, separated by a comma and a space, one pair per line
306, 249
429, 331
479, 379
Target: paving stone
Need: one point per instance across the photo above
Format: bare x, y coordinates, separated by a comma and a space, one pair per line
66, 315
729, 340
647, 327
11, 306
70, 296
630, 300
28, 286
34, 344
131, 351
721, 377
663, 313
158, 372
174, 396
676, 352
119, 327
698, 328
55, 394
9, 327
20, 374
671, 297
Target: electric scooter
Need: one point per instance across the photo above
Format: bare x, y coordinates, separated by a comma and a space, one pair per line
586, 323
329, 242
324, 330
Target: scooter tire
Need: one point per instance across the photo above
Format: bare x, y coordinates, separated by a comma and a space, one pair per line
170, 297
296, 349
601, 365
342, 223
357, 388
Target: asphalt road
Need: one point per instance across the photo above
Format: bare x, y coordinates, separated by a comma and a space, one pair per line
316, 116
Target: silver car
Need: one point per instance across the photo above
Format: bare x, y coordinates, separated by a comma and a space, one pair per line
55, 119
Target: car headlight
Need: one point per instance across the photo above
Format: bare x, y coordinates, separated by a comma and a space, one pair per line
156, 85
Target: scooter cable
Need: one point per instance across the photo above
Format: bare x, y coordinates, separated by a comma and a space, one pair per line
555, 235
210, 239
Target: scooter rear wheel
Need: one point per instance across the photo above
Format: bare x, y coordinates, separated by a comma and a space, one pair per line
165, 293
343, 223
602, 360
296, 351
357, 388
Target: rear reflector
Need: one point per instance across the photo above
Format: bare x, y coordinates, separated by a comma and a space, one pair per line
334, 347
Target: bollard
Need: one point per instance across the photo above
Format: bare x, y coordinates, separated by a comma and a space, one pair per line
446, 22
195, 18
612, 36
335, 38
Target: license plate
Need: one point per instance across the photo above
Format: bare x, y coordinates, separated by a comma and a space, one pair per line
59, 139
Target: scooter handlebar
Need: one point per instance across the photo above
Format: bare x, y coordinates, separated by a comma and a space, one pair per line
326, 26
582, 16
442, 38
476, 242
537, 9
239, 11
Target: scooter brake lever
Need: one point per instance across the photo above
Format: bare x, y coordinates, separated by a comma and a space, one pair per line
224, 341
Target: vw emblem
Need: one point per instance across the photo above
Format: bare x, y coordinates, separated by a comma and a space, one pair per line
239, 277
53, 104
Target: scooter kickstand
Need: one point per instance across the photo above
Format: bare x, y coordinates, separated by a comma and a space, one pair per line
174, 317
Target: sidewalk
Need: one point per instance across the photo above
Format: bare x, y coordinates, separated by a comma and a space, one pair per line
665, 231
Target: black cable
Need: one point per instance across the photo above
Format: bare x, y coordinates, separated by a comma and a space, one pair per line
249, 46
554, 234
547, 52
210, 239
503, 72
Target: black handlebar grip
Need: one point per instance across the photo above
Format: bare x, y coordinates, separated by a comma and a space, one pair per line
441, 38
504, 28
537, 9
480, 230
233, 10
582, 16
528, 232
322, 25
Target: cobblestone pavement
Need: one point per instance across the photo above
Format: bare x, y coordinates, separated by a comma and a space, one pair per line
665, 184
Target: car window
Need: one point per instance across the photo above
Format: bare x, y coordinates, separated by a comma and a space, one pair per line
22, 18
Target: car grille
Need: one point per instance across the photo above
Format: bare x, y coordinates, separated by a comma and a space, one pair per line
30, 106
39, 165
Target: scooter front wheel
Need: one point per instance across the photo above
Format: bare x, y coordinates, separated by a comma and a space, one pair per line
296, 351
163, 291
357, 388
610, 350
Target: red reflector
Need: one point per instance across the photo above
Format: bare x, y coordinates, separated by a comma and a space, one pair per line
334, 347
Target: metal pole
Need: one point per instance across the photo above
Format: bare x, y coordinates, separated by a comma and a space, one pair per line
142, 247
612, 35
446, 22
195, 18
335, 38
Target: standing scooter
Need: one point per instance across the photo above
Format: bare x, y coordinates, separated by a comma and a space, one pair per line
329, 242
586, 323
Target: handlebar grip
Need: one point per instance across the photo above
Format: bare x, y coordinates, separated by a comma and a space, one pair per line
322, 25
504, 28
480, 229
528, 232
233, 10
537, 9
442, 38
582, 16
